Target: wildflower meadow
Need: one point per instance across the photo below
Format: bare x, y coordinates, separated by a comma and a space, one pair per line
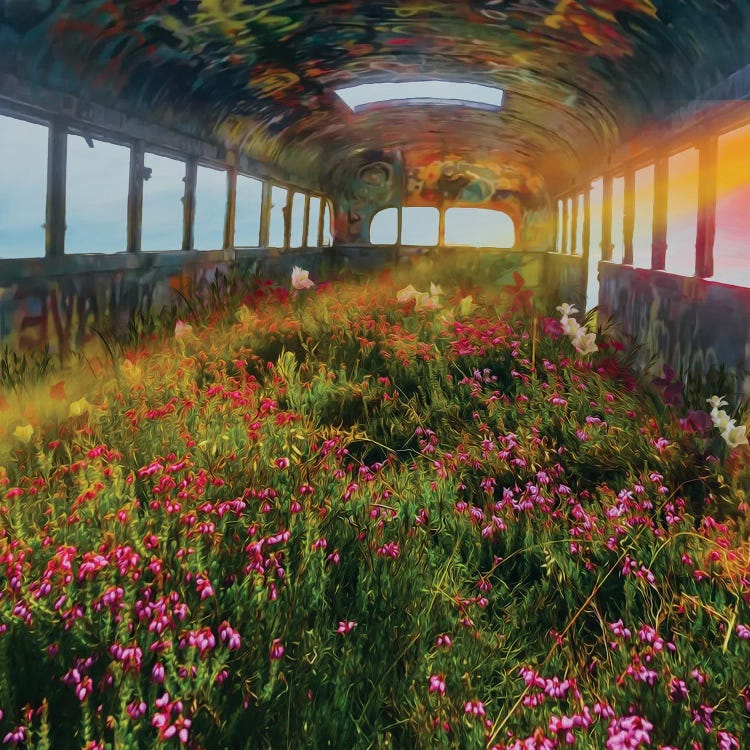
408, 512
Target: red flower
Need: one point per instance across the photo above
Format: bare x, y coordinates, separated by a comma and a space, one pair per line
521, 296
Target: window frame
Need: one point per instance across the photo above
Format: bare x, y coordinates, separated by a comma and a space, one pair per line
441, 229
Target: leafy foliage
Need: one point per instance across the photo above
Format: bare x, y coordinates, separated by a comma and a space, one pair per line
326, 520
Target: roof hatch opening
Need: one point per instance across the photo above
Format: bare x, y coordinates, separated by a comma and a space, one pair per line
422, 92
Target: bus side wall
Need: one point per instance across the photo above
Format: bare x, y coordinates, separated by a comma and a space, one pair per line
688, 323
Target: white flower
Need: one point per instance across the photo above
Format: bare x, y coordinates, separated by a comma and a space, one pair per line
717, 401
565, 309
571, 326
585, 343
721, 419
426, 302
735, 436
407, 294
182, 329
435, 290
300, 278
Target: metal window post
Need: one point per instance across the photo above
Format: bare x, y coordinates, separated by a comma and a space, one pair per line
628, 218
661, 208
230, 217
321, 220
586, 230
188, 204
607, 246
706, 229
288, 219
574, 225
306, 222
57, 155
265, 214
135, 197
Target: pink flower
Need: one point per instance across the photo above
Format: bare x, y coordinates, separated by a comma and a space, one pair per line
475, 708
346, 626
231, 636
300, 278
16, 736
628, 733
277, 650
437, 684
444, 640
182, 329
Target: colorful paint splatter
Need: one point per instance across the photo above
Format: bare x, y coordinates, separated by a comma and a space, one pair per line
577, 75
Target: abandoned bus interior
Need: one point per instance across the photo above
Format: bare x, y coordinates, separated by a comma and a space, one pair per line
374, 374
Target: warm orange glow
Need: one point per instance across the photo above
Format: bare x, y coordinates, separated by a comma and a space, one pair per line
732, 244
618, 207
682, 214
644, 217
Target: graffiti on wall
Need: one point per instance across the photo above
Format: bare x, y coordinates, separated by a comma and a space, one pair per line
361, 187
65, 313
456, 180
685, 322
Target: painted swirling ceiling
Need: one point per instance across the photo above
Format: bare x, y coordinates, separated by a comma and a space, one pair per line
578, 74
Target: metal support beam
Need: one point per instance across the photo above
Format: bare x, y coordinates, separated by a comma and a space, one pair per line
574, 225
135, 197
188, 204
555, 227
704, 243
230, 217
288, 219
607, 246
586, 230
321, 220
661, 209
564, 245
306, 220
628, 217
57, 155
265, 214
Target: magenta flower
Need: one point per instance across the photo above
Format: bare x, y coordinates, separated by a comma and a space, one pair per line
628, 733
444, 640
437, 684
475, 708
231, 636
157, 673
346, 626
15, 736
277, 650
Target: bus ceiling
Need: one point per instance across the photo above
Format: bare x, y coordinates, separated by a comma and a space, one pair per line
577, 78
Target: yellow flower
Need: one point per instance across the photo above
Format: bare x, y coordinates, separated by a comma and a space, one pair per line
80, 407
246, 315
132, 372
735, 436
23, 433
466, 305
